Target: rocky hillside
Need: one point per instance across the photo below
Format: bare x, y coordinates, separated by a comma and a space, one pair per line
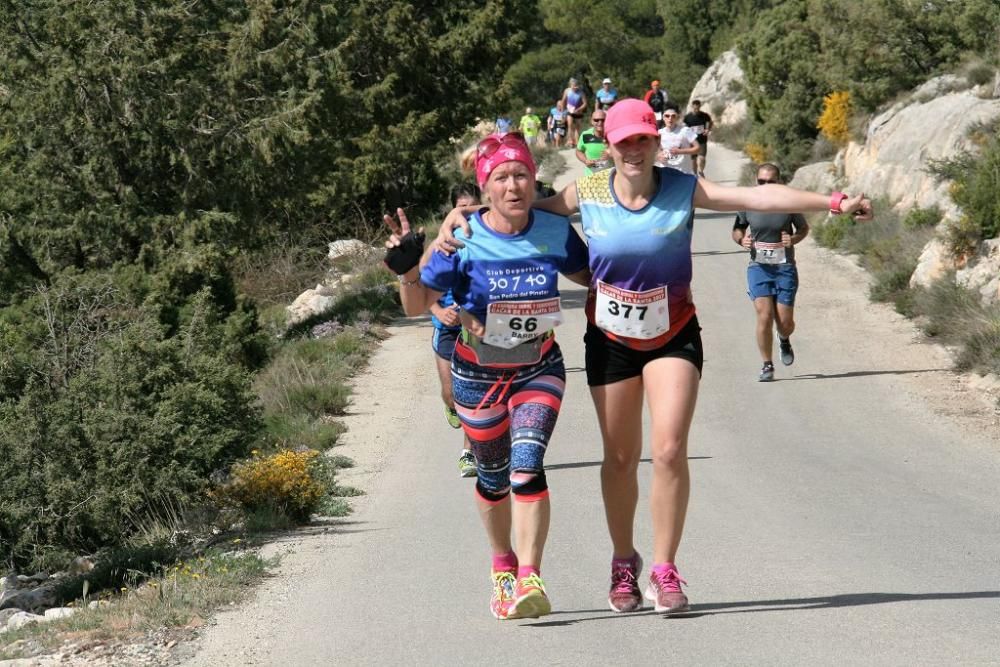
933, 122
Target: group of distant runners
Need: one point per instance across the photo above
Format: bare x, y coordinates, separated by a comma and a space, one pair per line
683, 141
490, 279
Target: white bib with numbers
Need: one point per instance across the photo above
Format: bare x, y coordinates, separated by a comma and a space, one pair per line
769, 253
510, 323
641, 315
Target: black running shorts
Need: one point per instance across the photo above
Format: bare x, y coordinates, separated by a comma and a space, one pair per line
609, 361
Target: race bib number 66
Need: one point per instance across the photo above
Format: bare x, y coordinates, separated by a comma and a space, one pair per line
510, 323
641, 315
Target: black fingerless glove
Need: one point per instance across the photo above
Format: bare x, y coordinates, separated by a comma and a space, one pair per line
406, 255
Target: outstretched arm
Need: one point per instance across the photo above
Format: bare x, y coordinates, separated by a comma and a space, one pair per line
774, 198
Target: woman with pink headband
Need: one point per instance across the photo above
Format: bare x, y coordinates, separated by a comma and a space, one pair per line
507, 370
643, 339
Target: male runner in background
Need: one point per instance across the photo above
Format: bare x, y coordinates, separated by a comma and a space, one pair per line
772, 277
701, 123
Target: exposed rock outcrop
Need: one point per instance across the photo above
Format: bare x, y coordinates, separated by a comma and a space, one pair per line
310, 303
819, 176
721, 87
349, 249
934, 262
902, 141
982, 274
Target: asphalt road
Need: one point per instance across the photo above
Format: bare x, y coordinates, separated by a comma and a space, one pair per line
846, 514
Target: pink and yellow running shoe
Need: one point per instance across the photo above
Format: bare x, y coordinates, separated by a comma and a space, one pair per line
530, 599
504, 583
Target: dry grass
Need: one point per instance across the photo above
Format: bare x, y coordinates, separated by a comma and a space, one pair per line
178, 597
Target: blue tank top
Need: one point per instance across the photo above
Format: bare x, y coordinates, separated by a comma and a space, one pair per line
573, 98
642, 249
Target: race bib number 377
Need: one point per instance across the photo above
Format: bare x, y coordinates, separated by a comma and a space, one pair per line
510, 323
641, 315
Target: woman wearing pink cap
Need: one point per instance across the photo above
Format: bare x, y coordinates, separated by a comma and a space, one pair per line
507, 370
643, 338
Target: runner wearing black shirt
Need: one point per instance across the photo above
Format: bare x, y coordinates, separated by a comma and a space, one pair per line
701, 123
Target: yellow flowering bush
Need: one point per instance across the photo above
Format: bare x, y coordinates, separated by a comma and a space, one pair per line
757, 153
292, 483
834, 122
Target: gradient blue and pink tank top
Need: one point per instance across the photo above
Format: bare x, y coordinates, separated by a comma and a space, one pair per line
640, 251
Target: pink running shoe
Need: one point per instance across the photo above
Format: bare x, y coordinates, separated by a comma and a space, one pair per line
625, 594
665, 590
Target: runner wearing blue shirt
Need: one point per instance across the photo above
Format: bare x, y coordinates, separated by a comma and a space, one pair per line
444, 317
606, 96
558, 117
508, 374
575, 101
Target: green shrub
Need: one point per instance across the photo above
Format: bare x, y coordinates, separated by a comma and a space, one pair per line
980, 74
975, 188
917, 218
288, 431
832, 231
957, 317
109, 418
887, 247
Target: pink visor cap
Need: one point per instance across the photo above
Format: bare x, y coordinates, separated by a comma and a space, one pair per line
629, 118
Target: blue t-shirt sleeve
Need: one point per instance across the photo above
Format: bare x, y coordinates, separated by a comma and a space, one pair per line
442, 272
577, 255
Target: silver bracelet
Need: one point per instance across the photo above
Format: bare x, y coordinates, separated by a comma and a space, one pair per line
407, 283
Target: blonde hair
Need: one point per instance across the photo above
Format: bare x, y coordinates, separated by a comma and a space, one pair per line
467, 160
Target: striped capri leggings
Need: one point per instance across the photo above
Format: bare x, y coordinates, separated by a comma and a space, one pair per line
509, 416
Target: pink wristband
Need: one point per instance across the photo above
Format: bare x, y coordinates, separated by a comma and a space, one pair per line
836, 199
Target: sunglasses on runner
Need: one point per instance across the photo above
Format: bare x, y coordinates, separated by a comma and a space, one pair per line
764, 181
670, 115
491, 145
596, 120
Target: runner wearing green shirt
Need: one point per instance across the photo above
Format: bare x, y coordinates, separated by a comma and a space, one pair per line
592, 148
530, 123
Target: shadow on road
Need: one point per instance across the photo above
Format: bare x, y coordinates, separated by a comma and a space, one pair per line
790, 604
854, 374
591, 464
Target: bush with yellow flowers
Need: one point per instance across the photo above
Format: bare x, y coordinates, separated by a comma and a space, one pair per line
289, 483
834, 122
757, 153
